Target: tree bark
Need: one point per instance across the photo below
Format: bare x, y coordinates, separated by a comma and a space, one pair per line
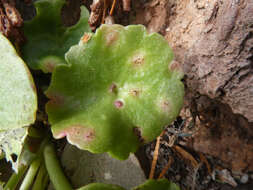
213, 41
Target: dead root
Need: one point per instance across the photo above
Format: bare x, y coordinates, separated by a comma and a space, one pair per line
102, 11
11, 22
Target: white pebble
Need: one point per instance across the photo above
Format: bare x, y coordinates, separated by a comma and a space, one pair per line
244, 178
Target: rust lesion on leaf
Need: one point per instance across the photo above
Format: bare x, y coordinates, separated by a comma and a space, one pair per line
134, 92
175, 66
165, 105
111, 34
86, 37
111, 38
77, 134
55, 99
138, 59
50, 66
118, 104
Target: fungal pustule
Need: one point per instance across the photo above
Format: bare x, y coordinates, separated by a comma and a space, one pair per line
137, 59
118, 104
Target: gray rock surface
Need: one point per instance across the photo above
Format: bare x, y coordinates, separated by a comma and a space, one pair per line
83, 168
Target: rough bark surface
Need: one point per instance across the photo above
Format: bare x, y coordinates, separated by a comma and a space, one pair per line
213, 40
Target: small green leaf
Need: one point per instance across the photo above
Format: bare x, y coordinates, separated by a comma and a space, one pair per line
47, 39
18, 99
117, 91
2, 185
161, 184
100, 186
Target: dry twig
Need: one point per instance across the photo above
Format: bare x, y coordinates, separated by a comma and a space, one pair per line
185, 155
112, 8
165, 169
205, 161
155, 156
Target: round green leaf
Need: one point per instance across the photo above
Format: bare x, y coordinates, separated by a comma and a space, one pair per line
47, 38
101, 186
161, 184
18, 100
118, 90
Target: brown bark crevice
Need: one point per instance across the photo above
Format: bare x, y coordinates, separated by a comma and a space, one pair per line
221, 133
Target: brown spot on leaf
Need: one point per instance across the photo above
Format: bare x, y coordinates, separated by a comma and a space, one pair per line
175, 66
78, 134
86, 37
134, 92
118, 104
113, 88
138, 59
165, 106
49, 66
111, 35
89, 135
55, 99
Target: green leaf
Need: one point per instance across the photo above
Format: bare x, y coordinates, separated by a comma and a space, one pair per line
161, 184
47, 39
100, 186
117, 91
1, 185
18, 100
11, 142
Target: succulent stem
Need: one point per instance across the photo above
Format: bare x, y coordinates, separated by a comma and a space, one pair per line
31, 173
15, 178
42, 178
54, 169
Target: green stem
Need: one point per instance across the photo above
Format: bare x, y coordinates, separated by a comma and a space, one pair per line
15, 178
31, 173
41, 179
55, 172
